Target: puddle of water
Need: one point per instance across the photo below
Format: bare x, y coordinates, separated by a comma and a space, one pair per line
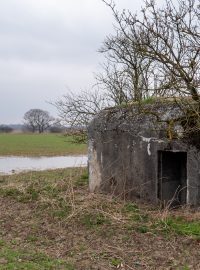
15, 164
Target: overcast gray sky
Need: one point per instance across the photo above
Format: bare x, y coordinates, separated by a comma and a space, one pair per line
48, 46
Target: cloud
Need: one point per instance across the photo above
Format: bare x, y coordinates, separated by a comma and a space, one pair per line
47, 46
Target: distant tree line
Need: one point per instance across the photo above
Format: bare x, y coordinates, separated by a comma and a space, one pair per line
5, 129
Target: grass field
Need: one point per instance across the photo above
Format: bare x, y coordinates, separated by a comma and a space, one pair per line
39, 144
49, 220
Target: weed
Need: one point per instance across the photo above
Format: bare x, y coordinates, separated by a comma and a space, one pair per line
21, 259
21, 196
13, 242
116, 262
142, 229
185, 267
10, 192
83, 180
32, 192
92, 220
184, 227
134, 213
180, 226
50, 190
130, 207
82, 247
60, 213
140, 217
32, 238
1, 243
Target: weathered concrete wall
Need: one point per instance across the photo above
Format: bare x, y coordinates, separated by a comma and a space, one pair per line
123, 153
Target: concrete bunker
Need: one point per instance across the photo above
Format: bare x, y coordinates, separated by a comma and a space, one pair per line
132, 155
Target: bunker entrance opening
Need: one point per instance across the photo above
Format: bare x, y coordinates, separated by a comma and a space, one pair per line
172, 177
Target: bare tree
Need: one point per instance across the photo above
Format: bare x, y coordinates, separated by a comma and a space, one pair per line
127, 72
170, 38
37, 120
76, 110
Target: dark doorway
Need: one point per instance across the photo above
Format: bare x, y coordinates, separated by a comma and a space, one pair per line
172, 177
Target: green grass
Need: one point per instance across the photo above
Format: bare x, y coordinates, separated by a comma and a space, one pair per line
180, 226
39, 145
18, 259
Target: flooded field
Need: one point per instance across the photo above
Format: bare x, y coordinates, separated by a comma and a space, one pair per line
15, 164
